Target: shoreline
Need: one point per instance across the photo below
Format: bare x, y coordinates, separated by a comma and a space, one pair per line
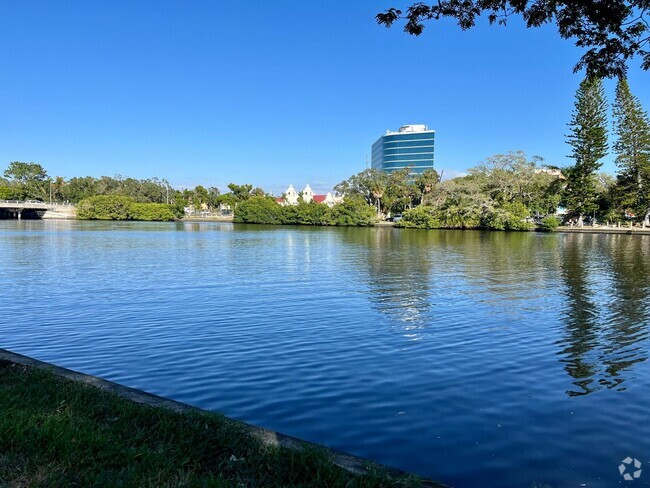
383, 224
604, 230
353, 465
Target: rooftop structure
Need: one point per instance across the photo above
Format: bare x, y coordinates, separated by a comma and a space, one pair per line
291, 197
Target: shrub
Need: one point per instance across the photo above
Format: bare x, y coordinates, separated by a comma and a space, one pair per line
289, 214
420, 217
118, 207
105, 207
509, 216
312, 213
151, 212
259, 210
550, 223
353, 212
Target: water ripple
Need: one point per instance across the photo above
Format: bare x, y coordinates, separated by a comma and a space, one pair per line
466, 356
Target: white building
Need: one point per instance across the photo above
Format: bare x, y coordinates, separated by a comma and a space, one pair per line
308, 195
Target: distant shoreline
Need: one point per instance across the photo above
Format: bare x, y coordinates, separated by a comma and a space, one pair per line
562, 229
207, 219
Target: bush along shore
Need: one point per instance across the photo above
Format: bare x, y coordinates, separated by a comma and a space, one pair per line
56, 432
118, 207
352, 211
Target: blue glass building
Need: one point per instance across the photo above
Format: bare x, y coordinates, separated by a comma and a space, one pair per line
410, 147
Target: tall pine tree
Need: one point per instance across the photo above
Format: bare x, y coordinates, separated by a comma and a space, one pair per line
632, 126
588, 139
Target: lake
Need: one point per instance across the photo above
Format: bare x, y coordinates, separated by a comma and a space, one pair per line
474, 358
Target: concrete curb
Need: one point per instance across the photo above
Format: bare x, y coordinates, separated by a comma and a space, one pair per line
607, 230
348, 462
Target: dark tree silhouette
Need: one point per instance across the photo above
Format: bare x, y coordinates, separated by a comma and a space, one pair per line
612, 31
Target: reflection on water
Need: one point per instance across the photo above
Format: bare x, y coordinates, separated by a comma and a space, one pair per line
454, 354
398, 280
607, 286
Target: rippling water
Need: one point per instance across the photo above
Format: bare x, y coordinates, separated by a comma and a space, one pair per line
478, 359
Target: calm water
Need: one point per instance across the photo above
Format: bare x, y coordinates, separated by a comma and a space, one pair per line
479, 359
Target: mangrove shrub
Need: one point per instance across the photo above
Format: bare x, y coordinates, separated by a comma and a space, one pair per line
117, 207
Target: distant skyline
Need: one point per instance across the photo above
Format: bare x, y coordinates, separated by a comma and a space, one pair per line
271, 94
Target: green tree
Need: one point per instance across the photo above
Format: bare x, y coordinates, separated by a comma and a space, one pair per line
512, 178
30, 178
9, 193
79, 188
56, 188
240, 192
200, 196
613, 31
354, 211
632, 148
213, 197
226, 199
401, 192
588, 139
369, 184
425, 183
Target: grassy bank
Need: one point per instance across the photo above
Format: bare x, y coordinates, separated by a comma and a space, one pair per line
55, 432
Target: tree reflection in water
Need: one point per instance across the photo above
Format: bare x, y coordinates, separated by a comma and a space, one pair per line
421, 279
607, 285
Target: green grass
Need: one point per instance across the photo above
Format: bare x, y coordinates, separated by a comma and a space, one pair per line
58, 433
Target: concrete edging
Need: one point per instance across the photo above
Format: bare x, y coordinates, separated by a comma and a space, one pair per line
605, 230
348, 462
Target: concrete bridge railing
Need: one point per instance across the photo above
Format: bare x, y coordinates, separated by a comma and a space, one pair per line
17, 209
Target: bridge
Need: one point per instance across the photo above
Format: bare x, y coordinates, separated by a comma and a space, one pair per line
31, 209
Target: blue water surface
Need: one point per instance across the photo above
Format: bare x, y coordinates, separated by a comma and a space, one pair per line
474, 358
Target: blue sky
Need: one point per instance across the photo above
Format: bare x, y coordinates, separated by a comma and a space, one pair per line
270, 93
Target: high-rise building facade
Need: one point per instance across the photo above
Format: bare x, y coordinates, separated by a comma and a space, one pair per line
410, 147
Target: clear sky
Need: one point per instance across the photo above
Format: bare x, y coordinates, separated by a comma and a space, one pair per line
270, 93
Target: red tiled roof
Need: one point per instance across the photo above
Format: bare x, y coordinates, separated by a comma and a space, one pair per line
319, 198
279, 200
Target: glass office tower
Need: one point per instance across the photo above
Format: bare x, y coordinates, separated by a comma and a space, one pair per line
410, 147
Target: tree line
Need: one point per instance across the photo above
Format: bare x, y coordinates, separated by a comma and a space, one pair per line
116, 197
511, 192
505, 192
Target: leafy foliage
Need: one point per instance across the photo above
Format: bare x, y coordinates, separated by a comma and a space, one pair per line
152, 212
612, 31
550, 223
10, 193
117, 207
76, 189
105, 207
29, 179
500, 194
389, 193
259, 210
354, 211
